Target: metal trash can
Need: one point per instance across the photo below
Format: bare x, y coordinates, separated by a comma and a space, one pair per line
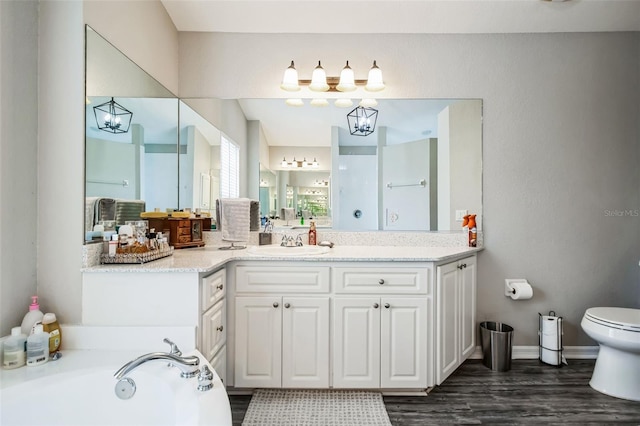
497, 342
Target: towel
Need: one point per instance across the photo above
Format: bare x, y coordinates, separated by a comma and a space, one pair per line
235, 219
287, 214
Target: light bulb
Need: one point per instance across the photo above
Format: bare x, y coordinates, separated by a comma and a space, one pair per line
319, 80
347, 80
374, 81
290, 79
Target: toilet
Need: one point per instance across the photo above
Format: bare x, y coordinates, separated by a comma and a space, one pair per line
617, 369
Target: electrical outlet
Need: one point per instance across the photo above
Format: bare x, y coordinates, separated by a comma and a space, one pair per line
460, 214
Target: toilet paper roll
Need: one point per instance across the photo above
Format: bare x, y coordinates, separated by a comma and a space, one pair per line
551, 331
521, 291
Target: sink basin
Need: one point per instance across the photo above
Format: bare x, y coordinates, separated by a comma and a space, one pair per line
277, 251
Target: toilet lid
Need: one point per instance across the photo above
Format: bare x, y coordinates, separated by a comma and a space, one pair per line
625, 318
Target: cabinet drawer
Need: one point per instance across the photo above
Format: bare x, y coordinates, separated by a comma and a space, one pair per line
184, 224
184, 238
213, 289
299, 279
382, 280
183, 231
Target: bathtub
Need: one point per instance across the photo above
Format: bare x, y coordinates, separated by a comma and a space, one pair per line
56, 393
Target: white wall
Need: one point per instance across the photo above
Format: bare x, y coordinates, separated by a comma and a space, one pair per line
143, 31
406, 207
560, 146
18, 159
60, 157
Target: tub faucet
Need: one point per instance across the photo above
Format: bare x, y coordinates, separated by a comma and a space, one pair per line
188, 365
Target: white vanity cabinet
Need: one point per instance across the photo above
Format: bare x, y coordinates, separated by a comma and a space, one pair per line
382, 322
456, 323
281, 326
213, 320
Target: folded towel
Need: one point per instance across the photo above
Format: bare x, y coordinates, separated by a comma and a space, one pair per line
235, 218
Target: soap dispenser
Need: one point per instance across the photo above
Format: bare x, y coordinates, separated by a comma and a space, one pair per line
473, 231
32, 317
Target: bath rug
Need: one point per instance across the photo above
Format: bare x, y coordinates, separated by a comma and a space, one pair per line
309, 407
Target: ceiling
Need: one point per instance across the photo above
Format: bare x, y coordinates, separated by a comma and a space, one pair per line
310, 126
403, 17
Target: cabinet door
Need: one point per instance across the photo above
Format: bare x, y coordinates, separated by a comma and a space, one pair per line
219, 364
403, 345
468, 328
305, 342
356, 342
447, 357
258, 342
214, 333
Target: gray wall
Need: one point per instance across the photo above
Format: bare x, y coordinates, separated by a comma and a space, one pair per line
18, 162
561, 146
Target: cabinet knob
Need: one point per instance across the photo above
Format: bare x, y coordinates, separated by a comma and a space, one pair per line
464, 265
375, 305
219, 287
386, 305
220, 328
381, 281
287, 305
275, 304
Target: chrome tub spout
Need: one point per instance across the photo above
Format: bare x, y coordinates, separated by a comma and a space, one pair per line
187, 365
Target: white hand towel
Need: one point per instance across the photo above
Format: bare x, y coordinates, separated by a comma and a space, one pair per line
235, 219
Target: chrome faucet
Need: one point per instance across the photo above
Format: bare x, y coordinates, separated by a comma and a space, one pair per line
187, 365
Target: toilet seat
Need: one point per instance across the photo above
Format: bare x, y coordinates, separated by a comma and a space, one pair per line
621, 318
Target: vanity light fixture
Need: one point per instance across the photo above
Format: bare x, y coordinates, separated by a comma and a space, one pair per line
112, 117
321, 83
300, 164
362, 121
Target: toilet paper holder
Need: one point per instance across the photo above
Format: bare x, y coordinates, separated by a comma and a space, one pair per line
508, 285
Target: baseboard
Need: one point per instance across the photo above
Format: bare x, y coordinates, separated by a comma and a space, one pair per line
532, 352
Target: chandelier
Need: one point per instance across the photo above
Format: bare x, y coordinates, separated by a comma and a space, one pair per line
112, 117
362, 121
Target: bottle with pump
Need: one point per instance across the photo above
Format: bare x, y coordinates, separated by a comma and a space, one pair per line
50, 325
14, 354
37, 347
32, 317
312, 234
473, 231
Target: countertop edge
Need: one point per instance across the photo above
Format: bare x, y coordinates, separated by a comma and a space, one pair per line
220, 259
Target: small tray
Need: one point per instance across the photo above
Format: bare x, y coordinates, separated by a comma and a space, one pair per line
136, 258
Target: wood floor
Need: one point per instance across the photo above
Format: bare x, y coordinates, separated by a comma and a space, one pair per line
529, 393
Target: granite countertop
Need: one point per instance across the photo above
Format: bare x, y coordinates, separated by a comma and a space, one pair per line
208, 258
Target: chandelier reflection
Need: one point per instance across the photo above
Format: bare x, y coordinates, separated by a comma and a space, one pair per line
362, 121
112, 117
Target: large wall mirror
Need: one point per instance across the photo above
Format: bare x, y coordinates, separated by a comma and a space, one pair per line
421, 164
154, 153
418, 170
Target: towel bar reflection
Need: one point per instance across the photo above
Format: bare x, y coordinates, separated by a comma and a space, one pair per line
421, 183
123, 182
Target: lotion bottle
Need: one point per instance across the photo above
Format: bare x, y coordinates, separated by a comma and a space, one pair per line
37, 347
14, 354
32, 317
50, 325
312, 234
473, 231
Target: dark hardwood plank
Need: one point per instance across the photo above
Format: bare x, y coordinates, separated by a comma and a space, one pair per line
529, 393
